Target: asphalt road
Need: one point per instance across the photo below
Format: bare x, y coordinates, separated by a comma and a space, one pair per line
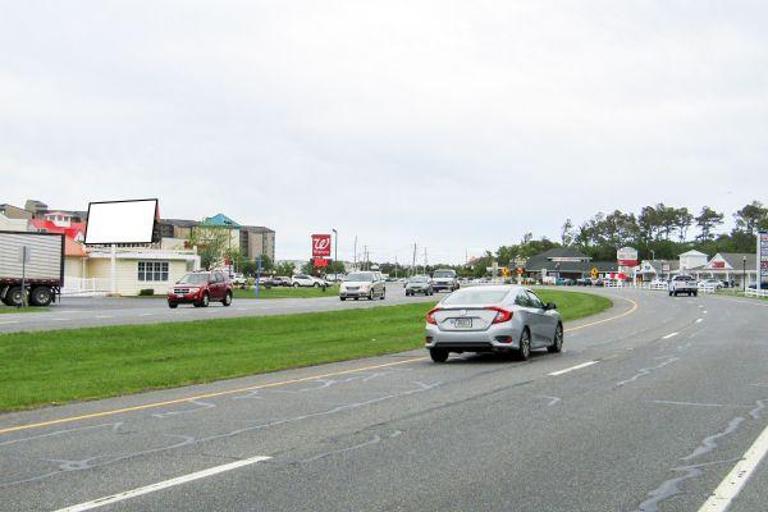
649, 409
76, 312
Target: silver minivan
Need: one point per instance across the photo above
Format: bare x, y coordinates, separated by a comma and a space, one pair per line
506, 319
363, 285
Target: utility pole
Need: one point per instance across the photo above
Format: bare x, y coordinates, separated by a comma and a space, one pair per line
355, 257
365, 257
335, 253
425, 260
413, 263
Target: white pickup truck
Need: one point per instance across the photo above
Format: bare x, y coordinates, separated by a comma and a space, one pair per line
683, 284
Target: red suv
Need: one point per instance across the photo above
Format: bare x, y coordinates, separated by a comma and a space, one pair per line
200, 288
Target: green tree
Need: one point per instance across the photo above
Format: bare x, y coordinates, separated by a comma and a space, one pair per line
751, 217
706, 221
211, 245
285, 268
683, 221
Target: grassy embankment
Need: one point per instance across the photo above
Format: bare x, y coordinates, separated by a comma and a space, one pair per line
58, 366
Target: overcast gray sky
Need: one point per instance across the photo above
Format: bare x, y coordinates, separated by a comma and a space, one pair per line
454, 124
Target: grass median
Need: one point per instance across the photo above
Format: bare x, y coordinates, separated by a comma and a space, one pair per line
51, 367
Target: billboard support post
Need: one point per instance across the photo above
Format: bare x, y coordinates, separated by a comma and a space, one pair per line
113, 269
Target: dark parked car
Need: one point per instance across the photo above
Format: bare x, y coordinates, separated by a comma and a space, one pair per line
200, 288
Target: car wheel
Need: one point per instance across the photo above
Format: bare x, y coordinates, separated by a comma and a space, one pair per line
670, 294
357, 298
342, 299
295, 285
370, 295
438, 355
172, 305
205, 301
316, 285
41, 296
524, 352
227, 299
557, 342
383, 295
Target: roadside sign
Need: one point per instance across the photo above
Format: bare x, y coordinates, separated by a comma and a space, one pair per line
762, 258
320, 262
519, 271
594, 273
321, 245
627, 256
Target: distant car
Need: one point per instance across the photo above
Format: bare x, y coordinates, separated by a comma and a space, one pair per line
281, 281
506, 319
659, 282
683, 284
584, 281
305, 281
763, 286
363, 285
201, 288
419, 284
238, 280
564, 281
445, 279
711, 283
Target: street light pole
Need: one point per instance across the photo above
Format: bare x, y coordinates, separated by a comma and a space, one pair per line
744, 272
335, 252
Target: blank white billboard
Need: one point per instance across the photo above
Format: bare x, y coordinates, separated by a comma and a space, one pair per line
121, 222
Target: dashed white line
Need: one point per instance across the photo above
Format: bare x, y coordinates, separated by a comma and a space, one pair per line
108, 500
147, 314
732, 484
9, 322
572, 368
699, 320
103, 317
670, 335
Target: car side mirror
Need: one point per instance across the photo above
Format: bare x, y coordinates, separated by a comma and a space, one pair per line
550, 305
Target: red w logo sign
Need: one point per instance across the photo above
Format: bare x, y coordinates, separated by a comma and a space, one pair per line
321, 246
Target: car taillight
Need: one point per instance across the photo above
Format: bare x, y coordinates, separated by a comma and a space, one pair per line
431, 316
502, 315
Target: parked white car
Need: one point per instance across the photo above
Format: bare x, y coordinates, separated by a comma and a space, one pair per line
305, 281
238, 280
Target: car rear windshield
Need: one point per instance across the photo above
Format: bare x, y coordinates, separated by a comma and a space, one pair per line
359, 277
418, 279
472, 296
444, 273
194, 279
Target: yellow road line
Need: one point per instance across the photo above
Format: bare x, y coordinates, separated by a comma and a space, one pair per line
154, 405
634, 307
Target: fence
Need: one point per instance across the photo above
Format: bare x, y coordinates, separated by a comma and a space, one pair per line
85, 287
751, 292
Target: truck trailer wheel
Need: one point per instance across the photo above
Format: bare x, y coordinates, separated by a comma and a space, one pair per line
13, 297
41, 296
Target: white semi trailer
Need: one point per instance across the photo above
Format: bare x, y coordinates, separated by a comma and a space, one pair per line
31, 267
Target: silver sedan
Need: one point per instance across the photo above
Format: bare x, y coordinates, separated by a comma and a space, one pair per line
506, 319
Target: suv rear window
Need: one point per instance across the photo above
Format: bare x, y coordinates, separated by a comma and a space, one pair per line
444, 273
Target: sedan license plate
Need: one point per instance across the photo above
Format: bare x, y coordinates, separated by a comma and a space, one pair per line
463, 323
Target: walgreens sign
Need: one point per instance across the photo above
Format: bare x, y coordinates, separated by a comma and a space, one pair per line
321, 245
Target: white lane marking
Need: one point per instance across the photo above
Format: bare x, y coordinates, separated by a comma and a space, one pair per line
54, 319
108, 500
704, 312
147, 314
9, 322
572, 368
699, 320
103, 317
670, 335
732, 484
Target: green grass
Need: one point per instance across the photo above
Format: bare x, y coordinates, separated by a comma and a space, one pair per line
60, 366
285, 292
6, 309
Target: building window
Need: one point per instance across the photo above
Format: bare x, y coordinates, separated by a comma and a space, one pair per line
153, 271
